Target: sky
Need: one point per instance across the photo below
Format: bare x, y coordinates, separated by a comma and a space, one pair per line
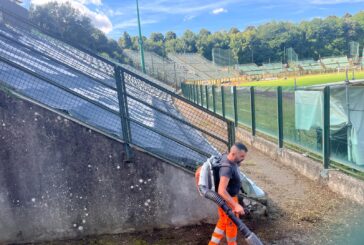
114, 17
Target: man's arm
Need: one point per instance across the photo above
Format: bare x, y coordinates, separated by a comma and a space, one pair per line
237, 208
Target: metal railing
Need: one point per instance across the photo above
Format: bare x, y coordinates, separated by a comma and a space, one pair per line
273, 112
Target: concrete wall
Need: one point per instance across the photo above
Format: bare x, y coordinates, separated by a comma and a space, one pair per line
347, 186
59, 179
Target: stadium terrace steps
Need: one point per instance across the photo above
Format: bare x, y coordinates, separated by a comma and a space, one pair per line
82, 86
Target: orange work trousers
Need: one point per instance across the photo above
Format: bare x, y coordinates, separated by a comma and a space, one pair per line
224, 225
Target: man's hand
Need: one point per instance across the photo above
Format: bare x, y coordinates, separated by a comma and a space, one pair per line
238, 209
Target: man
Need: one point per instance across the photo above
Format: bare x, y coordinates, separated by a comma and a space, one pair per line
228, 189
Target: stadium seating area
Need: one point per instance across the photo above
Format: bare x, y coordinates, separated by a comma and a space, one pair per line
249, 69
265, 69
309, 65
201, 67
335, 63
194, 67
83, 87
160, 67
273, 68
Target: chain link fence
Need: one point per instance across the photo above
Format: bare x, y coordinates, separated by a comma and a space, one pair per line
326, 121
292, 57
354, 52
112, 98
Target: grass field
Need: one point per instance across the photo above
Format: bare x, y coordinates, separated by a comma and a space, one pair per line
307, 80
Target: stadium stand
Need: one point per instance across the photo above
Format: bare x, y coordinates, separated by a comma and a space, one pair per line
83, 86
335, 63
201, 67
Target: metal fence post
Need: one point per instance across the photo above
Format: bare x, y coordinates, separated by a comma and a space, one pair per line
280, 116
187, 91
231, 133
235, 106
194, 93
252, 105
190, 92
175, 75
207, 97
326, 130
201, 91
123, 110
197, 95
223, 101
214, 98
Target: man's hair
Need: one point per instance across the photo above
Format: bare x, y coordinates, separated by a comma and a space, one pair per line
241, 146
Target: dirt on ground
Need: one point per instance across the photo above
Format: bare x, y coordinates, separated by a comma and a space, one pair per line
300, 211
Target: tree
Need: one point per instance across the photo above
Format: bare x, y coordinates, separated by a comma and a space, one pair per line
267, 42
68, 24
62, 21
189, 41
125, 41
234, 30
156, 37
174, 46
170, 35
203, 44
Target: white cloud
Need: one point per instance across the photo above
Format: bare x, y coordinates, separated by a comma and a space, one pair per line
219, 11
98, 19
185, 7
314, 17
189, 17
95, 2
114, 12
155, 11
133, 23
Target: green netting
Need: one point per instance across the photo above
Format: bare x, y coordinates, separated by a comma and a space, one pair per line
223, 57
266, 110
307, 138
292, 57
229, 102
354, 51
244, 106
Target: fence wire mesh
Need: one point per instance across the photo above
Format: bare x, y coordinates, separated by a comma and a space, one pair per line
223, 57
83, 86
303, 117
354, 51
292, 57
175, 119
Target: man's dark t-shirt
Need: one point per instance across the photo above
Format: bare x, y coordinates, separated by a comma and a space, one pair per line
230, 170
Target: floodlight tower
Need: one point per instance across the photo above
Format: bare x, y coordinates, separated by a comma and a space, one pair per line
140, 40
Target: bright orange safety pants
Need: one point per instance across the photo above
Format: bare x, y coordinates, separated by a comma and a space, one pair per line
224, 225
